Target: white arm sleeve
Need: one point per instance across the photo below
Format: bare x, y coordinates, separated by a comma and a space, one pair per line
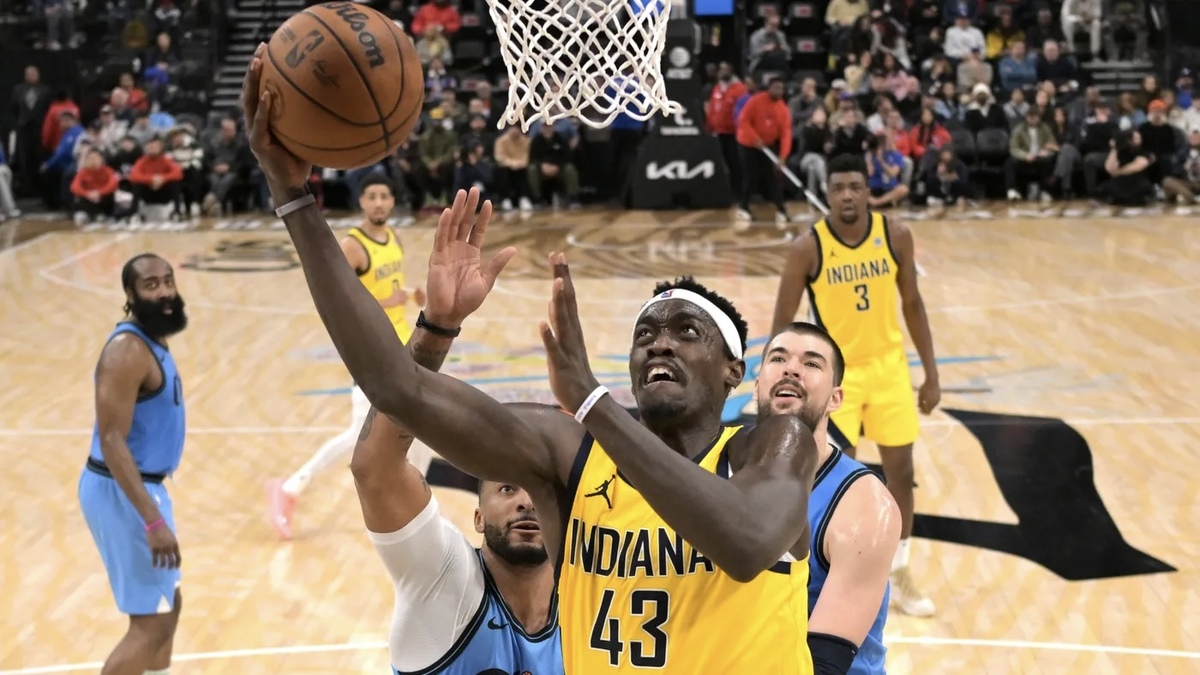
439, 587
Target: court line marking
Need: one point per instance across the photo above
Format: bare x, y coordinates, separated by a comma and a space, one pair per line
364, 646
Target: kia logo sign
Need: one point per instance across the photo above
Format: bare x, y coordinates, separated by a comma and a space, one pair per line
679, 170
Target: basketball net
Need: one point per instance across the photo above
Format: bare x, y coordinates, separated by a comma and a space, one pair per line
587, 59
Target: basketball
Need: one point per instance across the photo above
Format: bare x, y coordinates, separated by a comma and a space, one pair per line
346, 85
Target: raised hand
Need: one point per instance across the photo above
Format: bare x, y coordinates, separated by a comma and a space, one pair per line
457, 284
284, 171
571, 377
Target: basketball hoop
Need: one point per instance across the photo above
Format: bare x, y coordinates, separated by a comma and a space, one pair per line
587, 59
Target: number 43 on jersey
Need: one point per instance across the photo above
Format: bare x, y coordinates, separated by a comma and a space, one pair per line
647, 642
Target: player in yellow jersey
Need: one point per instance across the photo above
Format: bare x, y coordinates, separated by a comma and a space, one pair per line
375, 254
852, 263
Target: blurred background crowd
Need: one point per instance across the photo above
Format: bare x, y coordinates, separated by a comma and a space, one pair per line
127, 109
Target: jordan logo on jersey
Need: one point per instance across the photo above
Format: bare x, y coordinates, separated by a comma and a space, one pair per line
602, 491
857, 272
648, 553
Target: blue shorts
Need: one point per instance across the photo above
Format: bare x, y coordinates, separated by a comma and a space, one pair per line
139, 587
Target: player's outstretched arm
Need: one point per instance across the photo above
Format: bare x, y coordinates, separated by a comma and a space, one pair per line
801, 260
124, 365
913, 308
858, 546
744, 524
458, 421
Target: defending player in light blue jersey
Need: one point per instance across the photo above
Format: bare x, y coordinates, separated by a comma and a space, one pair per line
855, 523
458, 610
136, 444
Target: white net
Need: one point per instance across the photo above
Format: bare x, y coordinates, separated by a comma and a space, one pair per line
586, 59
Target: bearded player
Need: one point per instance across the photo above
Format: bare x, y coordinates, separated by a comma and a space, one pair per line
375, 254
854, 520
852, 263
137, 443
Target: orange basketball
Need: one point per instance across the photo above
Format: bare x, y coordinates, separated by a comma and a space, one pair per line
346, 85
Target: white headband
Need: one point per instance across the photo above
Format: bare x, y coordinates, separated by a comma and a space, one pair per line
724, 323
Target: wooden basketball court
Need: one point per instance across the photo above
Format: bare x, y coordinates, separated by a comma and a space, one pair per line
1057, 510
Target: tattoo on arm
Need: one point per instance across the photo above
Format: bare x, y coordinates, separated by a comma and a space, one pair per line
367, 424
429, 357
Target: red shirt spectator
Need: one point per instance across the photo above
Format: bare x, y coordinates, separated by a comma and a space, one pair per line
926, 135
439, 12
52, 130
718, 114
150, 167
100, 179
766, 119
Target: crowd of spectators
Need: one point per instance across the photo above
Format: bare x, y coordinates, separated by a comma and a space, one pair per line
937, 95
955, 100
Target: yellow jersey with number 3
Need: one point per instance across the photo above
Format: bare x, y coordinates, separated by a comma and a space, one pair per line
854, 294
635, 597
384, 278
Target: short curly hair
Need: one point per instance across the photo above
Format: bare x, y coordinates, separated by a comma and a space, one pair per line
689, 284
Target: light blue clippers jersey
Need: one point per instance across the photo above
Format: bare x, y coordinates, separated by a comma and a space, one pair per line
495, 644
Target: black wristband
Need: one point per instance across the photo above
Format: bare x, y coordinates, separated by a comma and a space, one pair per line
437, 330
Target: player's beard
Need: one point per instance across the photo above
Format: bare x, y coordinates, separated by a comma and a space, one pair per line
810, 413
525, 555
378, 222
151, 316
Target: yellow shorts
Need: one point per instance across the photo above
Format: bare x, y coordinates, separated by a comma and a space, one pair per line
878, 400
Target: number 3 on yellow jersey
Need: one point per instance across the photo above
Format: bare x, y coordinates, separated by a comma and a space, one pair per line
648, 650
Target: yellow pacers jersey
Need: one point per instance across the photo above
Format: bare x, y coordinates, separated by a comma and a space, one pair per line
384, 278
854, 293
635, 597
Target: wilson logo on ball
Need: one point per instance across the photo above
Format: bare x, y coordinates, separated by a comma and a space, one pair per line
357, 21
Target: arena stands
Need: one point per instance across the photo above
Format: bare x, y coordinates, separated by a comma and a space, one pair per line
954, 100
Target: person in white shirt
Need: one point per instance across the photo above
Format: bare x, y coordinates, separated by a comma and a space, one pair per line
961, 38
1084, 14
458, 610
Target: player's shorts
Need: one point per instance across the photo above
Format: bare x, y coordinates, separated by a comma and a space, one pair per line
138, 586
878, 399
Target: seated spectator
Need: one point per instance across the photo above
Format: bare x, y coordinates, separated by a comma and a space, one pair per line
769, 49
127, 154
137, 100
802, 104
1054, 67
1128, 165
983, 111
550, 169
1160, 143
439, 152
141, 130
1129, 116
1190, 185
926, 138
1003, 35
1191, 116
1126, 33
1018, 70
482, 103
112, 130
1079, 110
924, 16
877, 121
816, 143
1095, 142
1085, 14
479, 132
841, 16
163, 52
511, 176
439, 13
8, 206
1044, 30
947, 104
1174, 112
438, 81
974, 70
1068, 137
473, 170
884, 169
433, 44
227, 155
850, 136
1032, 151
962, 37
1183, 88
156, 180
93, 188
187, 153
947, 179
1017, 106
